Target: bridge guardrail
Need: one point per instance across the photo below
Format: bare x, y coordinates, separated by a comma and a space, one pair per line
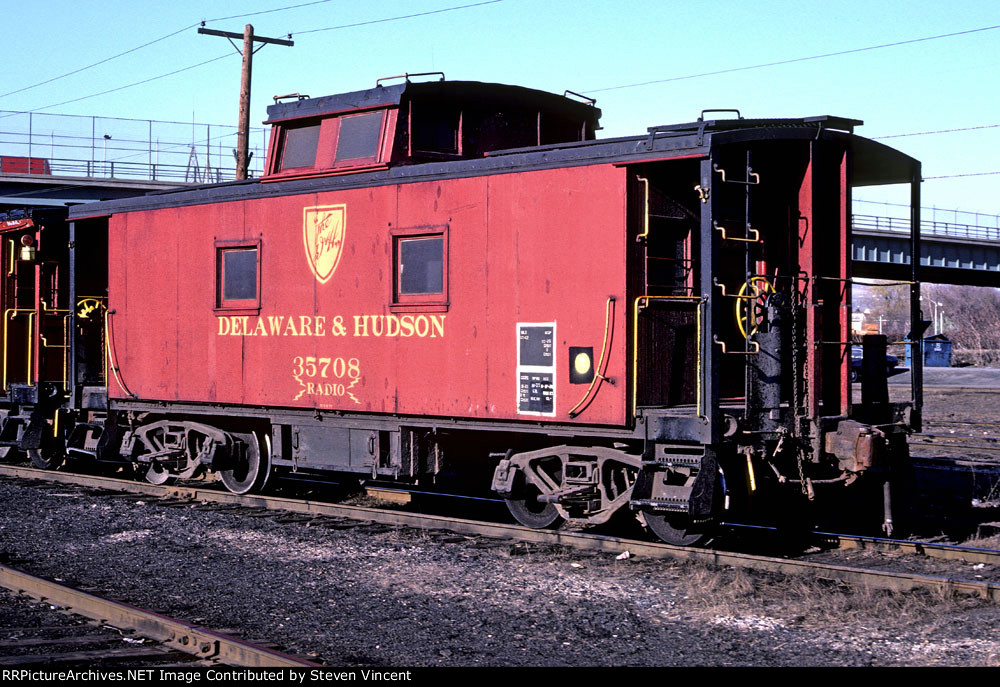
112, 147
929, 227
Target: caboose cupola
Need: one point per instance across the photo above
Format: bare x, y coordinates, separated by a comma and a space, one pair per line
416, 122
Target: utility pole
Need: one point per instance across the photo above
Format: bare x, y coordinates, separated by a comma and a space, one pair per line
243, 128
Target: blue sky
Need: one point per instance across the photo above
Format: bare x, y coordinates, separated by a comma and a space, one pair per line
585, 46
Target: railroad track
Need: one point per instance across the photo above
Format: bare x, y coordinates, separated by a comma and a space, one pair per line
331, 513
971, 444
39, 633
934, 550
168, 634
973, 424
964, 442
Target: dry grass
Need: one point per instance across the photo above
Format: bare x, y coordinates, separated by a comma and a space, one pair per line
805, 600
992, 542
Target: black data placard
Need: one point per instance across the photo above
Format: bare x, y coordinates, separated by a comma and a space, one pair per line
536, 345
535, 393
536, 368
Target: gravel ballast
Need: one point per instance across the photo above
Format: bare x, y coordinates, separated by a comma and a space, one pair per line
370, 595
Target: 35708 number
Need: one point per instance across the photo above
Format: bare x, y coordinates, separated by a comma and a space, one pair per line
312, 367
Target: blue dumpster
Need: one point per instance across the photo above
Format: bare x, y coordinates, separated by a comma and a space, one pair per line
937, 352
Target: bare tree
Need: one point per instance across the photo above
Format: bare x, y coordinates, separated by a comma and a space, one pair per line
969, 316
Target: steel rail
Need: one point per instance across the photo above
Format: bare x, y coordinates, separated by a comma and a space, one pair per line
177, 634
938, 444
964, 423
880, 579
960, 437
950, 552
964, 461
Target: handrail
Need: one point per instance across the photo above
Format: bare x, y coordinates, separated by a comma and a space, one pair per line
755, 239
637, 306
609, 310
754, 351
9, 314
110, 357
65, 333
645, 210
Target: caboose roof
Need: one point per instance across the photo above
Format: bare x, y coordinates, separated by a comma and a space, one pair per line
463, 91
872, 162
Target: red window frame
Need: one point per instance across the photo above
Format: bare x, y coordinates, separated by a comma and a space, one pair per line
231, 305
283, 149
326, 162
423, 302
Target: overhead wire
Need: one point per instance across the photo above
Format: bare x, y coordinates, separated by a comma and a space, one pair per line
235, 16
100, 62
277, 9
405, 16
938, 131
794, 60
955, 176
479, 4
157, 40
121, 88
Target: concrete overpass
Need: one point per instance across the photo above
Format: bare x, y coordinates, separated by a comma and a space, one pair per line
35, 190
951, 253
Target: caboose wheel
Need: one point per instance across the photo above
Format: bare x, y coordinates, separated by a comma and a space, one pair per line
157, 474
250, 470
675, 529
48, 460
531, 512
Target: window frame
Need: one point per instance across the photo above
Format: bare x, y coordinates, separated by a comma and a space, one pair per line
359, 161
232, 305
325, 162
424, 302
279, 163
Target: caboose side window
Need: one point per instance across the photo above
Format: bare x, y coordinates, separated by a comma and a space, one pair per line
421, 268
238, 276
359, 137
299, 147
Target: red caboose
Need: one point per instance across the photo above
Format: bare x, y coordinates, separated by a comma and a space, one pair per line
455, 278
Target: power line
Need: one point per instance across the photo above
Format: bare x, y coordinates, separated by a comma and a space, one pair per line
121, 88
278, 9
405, 16
154, 41
793, 60
154, 78
939, 131
95, 64
955, 176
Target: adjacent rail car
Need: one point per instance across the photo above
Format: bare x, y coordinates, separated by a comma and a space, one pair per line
445, 281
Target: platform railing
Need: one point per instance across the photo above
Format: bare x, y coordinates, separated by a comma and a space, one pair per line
927, 227
108, 147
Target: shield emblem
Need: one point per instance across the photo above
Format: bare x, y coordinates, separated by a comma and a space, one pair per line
323, 233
